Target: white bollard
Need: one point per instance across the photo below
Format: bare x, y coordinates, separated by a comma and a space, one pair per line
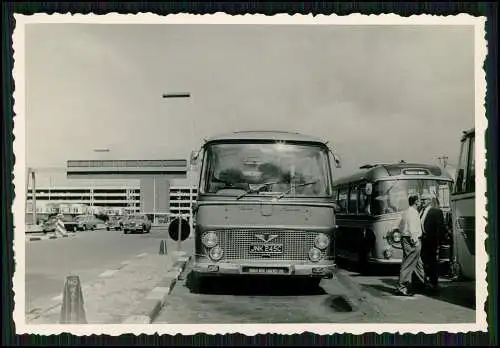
60, 229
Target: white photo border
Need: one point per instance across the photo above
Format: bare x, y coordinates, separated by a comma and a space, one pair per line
19, 146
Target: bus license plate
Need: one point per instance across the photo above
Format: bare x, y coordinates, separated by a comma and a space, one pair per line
265, 270
266, 248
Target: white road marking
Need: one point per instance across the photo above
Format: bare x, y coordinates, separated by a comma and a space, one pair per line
108, 273
141, 255
125, 262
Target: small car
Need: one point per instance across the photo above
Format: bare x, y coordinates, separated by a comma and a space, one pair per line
137, 223
49, 225
86, 222
70, 223
114, 223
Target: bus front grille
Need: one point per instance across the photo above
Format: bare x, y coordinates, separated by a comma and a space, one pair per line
293, 245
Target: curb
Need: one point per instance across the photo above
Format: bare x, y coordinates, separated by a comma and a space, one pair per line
151, 305
37, 238
364, 301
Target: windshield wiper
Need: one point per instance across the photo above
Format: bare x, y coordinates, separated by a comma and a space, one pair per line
257, 189
297, 185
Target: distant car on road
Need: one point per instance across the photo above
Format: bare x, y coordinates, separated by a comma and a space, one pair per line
86, 222
114, 223
137, 223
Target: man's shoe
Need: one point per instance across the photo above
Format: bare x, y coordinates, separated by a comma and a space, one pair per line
403, 292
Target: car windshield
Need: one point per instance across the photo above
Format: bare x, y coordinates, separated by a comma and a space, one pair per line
247, 169
136, 217
391, 196
68, 218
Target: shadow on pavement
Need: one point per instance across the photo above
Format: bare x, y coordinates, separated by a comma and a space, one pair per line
255, 286
369, 270
457, 293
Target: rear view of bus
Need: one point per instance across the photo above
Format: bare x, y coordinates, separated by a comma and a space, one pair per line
464, 209
265, 207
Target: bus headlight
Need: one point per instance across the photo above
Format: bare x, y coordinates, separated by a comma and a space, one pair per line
315, 254
321, 241
216, 253
396, 236
209, 239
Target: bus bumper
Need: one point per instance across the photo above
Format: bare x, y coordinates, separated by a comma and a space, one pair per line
274, 269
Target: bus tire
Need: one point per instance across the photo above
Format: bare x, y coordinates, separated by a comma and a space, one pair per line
363, 264
199, 283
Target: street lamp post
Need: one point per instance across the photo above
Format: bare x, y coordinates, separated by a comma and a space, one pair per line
179, 216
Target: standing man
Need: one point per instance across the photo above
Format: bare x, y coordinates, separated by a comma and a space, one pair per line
411, 232
433, 230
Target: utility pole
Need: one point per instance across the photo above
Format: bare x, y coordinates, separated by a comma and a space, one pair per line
179, 216
443, 160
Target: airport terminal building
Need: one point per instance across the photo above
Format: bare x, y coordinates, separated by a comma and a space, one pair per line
115, 187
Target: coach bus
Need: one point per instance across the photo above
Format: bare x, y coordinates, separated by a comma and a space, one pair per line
265, 206
370, 204
463, 203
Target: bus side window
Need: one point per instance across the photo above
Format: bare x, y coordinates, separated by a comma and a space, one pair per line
343, 200
460, 184
470, 182
353, 200
363, 207
335, 194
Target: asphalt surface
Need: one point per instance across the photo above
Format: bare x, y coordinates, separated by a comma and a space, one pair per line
262, 300
348, 298
455, 302
88, 255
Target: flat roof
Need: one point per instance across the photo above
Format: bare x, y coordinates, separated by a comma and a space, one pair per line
265, 135
126, 163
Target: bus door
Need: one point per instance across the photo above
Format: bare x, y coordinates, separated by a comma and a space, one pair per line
463, 209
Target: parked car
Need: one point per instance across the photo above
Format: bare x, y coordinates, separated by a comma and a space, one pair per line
70, 223
49, 225
86, 222
137, 223
114, 223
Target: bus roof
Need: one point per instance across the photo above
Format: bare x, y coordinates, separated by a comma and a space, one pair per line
266, 135
380, 171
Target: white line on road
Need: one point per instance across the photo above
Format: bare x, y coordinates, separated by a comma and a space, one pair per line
141, 255
125, 263
108, 273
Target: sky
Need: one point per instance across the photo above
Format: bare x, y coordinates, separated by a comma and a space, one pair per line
376, 93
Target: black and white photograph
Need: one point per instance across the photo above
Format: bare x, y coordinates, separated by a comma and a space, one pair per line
251, 174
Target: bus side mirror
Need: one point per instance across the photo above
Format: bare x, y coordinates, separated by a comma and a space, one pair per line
194, 157
368, 189
338, 162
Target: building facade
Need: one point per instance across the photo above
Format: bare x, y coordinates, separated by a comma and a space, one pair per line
112, 200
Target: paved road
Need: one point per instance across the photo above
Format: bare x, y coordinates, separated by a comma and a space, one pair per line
454, 303
262, 300
88, 255
348, 298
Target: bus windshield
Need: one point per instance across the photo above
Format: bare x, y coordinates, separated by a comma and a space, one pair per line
289, 170
391, 196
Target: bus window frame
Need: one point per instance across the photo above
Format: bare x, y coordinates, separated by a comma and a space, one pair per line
470, 176
361, 191
462, 168
352, 187
340, 189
